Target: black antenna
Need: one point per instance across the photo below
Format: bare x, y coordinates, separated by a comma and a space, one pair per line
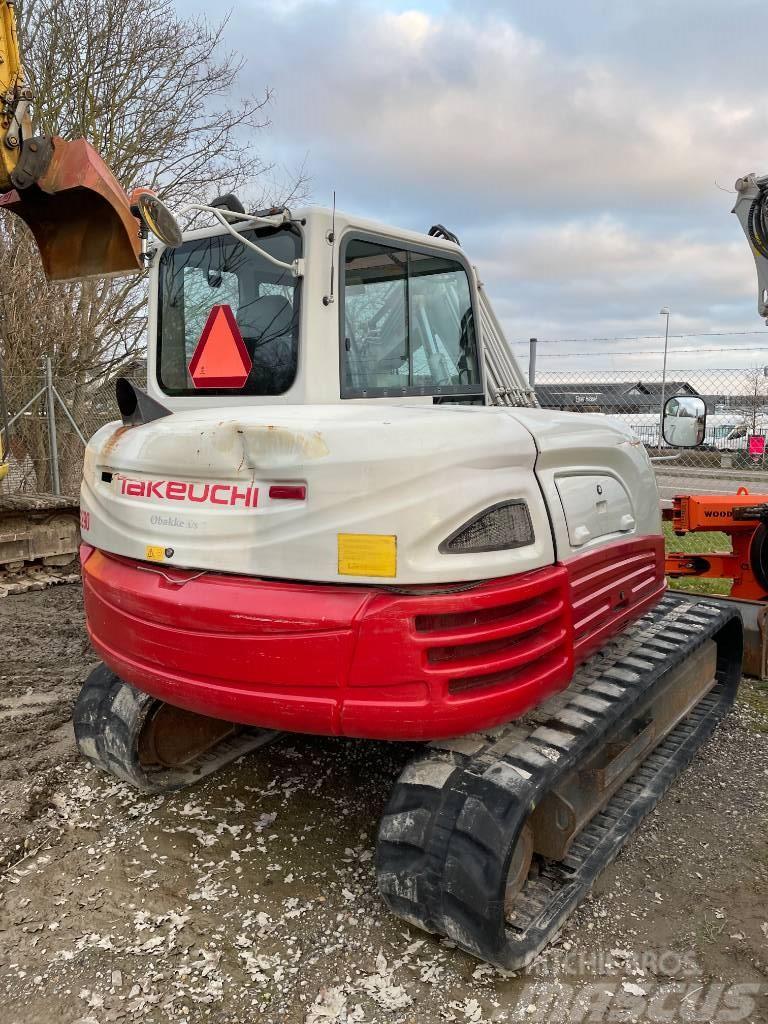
331, 236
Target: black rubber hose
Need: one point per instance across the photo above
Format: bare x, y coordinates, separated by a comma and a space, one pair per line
439, 231
757, 223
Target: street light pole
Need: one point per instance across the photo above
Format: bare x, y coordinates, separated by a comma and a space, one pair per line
664, 311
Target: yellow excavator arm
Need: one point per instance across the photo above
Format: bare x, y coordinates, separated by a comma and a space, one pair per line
15, 119
82, 220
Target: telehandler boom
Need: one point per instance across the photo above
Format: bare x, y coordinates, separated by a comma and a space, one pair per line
752, 210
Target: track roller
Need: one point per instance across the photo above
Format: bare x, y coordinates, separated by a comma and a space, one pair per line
151, 744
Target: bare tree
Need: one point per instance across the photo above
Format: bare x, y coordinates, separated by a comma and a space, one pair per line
756, 397
154, 93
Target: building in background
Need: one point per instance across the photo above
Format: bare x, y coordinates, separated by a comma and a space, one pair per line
610, 397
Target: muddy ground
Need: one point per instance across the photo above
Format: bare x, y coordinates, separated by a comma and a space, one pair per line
251, 897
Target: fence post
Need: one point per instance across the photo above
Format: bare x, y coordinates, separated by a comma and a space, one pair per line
5, 429
53, 445
532, 362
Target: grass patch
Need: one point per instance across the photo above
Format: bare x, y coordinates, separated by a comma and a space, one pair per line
717, 588
698, 544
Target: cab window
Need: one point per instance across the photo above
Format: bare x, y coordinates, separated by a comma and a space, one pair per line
219, 270
407, 323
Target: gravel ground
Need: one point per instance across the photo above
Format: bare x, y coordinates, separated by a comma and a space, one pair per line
251, 897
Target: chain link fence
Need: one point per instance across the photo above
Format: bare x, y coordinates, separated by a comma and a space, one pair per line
735, 448
47, 423
50, 419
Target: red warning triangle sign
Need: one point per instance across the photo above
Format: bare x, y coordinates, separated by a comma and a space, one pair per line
220, 359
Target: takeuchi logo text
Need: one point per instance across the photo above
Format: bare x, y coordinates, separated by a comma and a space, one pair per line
179, 490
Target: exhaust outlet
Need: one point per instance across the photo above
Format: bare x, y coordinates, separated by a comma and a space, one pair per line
135, 405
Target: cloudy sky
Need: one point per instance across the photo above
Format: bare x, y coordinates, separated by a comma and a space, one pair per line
579, 149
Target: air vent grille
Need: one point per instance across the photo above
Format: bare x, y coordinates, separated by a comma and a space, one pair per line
503, 526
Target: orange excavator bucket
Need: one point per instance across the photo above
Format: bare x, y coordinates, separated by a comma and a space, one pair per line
78, 213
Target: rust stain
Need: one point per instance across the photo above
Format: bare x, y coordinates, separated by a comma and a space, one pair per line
271, 445
109, 445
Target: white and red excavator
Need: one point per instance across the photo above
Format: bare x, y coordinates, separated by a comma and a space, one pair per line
337, 509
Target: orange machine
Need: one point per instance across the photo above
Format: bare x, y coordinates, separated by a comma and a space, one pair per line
744, 518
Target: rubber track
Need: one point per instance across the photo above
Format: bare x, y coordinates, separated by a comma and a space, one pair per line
447, 835
109, 715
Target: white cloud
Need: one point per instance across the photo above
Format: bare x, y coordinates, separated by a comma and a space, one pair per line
601, 277
470, 105
412, 27
582, 178
604, 252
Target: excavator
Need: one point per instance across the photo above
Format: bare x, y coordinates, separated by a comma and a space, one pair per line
338, 509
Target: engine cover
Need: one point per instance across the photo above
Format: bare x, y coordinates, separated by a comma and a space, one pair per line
359, 492
364, 492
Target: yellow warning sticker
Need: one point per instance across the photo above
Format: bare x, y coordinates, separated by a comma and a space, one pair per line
367, 554
154, 554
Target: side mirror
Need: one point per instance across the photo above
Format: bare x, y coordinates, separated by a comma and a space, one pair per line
684, 422
156, 216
